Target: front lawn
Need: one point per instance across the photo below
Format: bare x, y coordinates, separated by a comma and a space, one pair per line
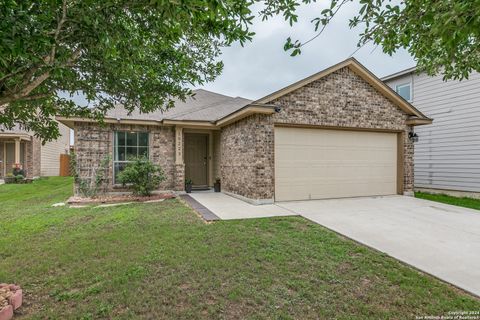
161, 261
456, 201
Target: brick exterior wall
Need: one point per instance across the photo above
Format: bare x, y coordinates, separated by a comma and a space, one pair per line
33, 157
93, 143
246, 157
341, 99
179, 177
216, 155
2, 159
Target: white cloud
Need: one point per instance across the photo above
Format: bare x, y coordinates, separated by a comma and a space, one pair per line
262, 66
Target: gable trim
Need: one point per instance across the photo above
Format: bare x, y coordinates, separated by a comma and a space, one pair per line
359, 70
245, 112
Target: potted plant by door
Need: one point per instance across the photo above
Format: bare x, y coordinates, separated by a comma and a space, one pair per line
188, 185
216, 185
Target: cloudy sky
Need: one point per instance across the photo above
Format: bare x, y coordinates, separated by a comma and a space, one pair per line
262, 66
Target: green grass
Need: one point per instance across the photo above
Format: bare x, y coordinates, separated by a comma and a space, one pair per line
456, 201
160, 261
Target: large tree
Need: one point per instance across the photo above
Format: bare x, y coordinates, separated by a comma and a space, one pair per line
141, 53
147, 53
443, 36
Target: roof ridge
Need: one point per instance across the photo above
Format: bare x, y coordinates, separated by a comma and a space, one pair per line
248, 101
212, 92
182, 113
202, 107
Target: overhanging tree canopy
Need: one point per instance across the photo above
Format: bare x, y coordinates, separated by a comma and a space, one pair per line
442, 36
142, 54
146, 53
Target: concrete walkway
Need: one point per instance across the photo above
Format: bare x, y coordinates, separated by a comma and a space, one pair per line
226, 207
439, 239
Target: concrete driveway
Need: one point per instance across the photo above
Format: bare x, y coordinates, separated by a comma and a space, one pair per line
439, 239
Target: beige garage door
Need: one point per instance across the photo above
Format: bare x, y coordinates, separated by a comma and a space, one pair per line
320, 164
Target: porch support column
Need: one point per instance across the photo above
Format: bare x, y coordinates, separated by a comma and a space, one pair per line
179, 162
17, 151
210, 159
178, 145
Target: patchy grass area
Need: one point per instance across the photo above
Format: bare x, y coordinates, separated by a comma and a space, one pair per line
456, 201
160, 261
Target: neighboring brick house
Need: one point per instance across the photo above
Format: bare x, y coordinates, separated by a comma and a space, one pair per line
20, 148
338, 133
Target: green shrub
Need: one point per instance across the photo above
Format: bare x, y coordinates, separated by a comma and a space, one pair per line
142, 176
18, 172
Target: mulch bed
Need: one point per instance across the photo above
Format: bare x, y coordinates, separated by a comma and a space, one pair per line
118, 198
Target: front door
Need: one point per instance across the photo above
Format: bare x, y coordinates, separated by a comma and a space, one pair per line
196, 152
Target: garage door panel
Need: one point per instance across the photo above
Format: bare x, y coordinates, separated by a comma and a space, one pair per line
318, 163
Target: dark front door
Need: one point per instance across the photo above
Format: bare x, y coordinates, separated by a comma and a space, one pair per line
196, 152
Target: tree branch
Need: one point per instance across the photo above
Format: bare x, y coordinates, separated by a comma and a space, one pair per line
12, 74
57, 31
29, 86
36, 96
325, 25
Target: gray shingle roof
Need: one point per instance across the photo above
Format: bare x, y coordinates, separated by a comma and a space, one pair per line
204, 106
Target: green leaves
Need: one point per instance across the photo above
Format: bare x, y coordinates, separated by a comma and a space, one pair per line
443, 36
436, 33
142, 176
144, 54
292, 45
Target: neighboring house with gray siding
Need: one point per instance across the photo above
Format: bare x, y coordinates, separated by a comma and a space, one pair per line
447, 154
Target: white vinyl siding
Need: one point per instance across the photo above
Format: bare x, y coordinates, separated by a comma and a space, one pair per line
51, 151
447, 155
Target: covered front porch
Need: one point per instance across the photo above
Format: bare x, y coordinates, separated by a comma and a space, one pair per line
15, 152
198, 156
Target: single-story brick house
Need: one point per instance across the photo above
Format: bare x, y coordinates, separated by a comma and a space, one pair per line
338, 133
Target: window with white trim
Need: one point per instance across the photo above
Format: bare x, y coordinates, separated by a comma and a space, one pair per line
127, 146
405, 91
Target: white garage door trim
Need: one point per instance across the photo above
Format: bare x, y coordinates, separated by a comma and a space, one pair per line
321, 163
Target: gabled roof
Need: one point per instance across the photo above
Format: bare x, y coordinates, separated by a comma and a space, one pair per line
203, 106
361, 71
205, 109
213, 110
